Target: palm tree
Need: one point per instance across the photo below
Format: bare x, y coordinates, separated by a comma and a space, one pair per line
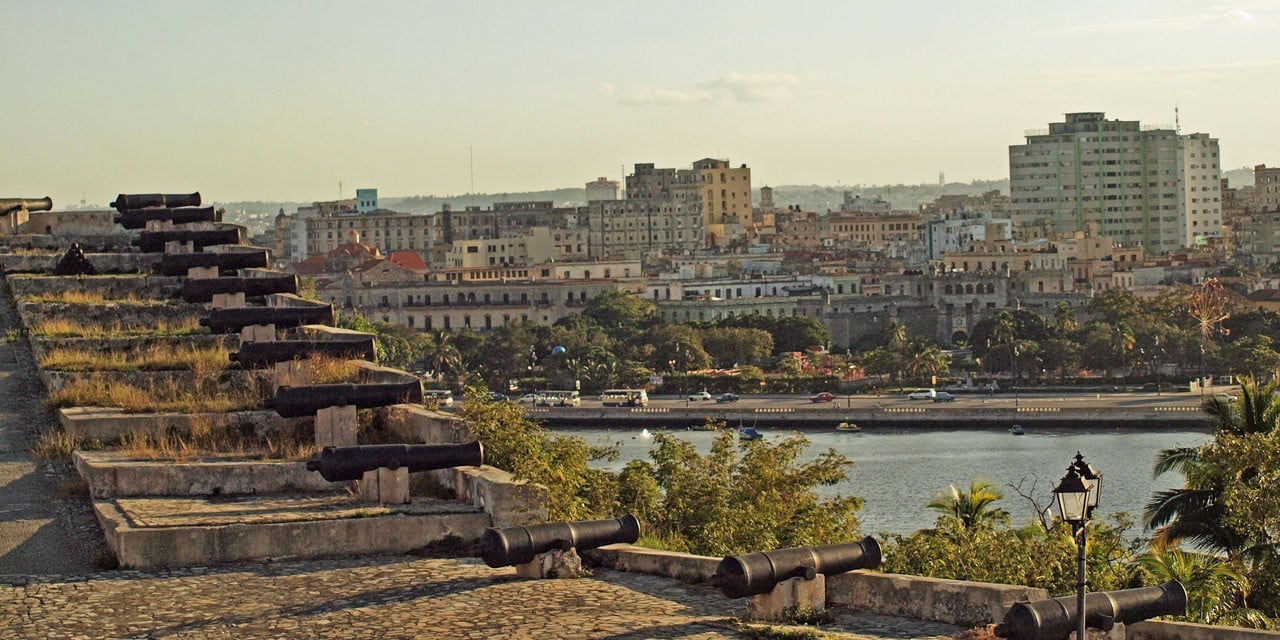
972, 509
441, 354
1217, 591
926, 359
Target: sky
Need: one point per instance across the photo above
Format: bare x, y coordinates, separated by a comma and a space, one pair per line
279, 100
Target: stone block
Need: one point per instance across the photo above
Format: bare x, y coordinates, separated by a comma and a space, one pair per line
790, 596
385, 486
202, 273
336, 427
178, 246
258, 333
553, 564
293, 373
228, 300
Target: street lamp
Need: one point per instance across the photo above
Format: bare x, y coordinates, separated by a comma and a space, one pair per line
1076, 496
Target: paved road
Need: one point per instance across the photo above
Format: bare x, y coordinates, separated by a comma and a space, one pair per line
45, 527
389, 597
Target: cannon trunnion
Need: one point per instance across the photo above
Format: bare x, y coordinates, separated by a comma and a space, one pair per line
254, 355
338, 464
756, 573
154, 241
1056, 619
519, 545
125, 202
235, 319
138, 218
203, 289
295, 402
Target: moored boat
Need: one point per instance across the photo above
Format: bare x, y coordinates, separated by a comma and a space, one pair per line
749, 433
1017, 430
848, 427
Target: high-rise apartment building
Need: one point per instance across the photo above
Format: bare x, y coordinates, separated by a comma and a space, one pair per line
1148, 186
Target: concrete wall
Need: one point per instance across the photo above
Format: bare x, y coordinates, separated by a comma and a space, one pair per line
111, 287
1159, 630
103, 262
950, 601
121, 242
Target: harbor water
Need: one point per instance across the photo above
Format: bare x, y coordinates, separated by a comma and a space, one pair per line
898, 472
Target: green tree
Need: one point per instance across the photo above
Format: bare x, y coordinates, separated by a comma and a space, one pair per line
729, 346
925, 358
1217, 590
621, 313
797, 333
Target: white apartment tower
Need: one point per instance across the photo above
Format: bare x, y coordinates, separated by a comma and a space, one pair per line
1141, 186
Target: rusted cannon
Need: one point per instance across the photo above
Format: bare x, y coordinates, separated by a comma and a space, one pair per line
755, 573
255, 355
232, 320
138, 218
125, 202
518, 545
1056, 619
154, 241
28, 204
295, 402
177, 264
203, 289
339, 464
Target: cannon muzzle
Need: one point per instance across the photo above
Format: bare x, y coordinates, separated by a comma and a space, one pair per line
29, 204
154, 241
295, 402
755, 573
518, 545
203, 289
232, 320
1056, 619
177, 264
138, 218
125, 202
256, 355
338, 464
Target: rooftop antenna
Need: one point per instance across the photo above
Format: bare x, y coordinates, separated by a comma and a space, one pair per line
471, 152
339, 188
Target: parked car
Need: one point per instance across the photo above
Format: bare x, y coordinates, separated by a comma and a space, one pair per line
943, 396
701, 395
825, 396
531, 398
498, 397
922, 394
726, 397
1226, 397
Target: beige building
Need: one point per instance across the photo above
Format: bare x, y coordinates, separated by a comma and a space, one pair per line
386, 230
1266, 188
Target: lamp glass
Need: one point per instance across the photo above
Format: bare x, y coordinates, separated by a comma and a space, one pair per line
1073, 497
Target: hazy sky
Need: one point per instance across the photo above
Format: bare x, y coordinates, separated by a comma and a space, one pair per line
282, 100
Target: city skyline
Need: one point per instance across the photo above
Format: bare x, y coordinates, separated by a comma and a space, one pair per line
285, 101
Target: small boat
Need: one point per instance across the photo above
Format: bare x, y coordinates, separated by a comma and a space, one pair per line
1016, 430
849, 427
749, 433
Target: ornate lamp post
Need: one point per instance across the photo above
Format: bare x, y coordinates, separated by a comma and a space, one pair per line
1076, 496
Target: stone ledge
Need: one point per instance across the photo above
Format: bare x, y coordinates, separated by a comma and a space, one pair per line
950, 601
1162, 630
107, 424
670, 564
112, 475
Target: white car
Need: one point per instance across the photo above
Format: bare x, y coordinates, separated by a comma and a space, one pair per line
922, 394
529, 398
1226, 397
701, 395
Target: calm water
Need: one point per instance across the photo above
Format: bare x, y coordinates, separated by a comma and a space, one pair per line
898, 472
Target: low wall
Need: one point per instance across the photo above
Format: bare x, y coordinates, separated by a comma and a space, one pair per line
111, 287
1160, 630
112, 475
418, 424
108, 242
951, 601
669, 564
103, 262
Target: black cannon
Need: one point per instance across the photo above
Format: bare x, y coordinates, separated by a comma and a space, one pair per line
755, 573
1056, 619
28, 204
232, 320
254, 355
154, 241
138, 218
338, 464
124, 202
518, 545
295, 402
203, 289
177, 264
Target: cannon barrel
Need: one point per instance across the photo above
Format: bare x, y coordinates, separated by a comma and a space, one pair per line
255, 355
124, 202
518, 545
154, 241
203, 289
1056, 619
30, 204
338, 464
232, 320
177, 264
755, 573
138, 218
295, 402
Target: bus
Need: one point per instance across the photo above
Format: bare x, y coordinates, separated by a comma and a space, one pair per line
558, 399
624, 398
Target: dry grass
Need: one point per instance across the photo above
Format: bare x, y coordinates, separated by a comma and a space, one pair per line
159, 357
58, 445
64, 328
330, 370
79, 296
162, 396
225, 441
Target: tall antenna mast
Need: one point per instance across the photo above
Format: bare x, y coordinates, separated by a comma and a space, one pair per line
471, 154
1177, 123
339, 189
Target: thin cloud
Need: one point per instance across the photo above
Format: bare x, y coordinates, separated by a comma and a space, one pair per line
1232, 19
731, 88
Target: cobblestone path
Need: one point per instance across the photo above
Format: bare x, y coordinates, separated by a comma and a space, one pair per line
387, 597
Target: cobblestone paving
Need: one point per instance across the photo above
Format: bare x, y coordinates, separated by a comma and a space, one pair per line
389, 597
208, 511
